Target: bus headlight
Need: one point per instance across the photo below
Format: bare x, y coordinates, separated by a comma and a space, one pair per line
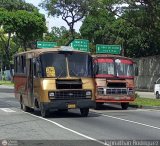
88, 94
130, 91
51, 95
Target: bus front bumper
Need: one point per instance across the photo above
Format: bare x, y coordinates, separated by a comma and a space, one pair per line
68, 104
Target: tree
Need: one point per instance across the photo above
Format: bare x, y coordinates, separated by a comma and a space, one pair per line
5, 61
97, 27
59, 35
143, 18
14, 5
71, 11
27, 25
136, 25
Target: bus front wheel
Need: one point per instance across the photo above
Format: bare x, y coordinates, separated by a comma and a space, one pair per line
84, 112
44, 112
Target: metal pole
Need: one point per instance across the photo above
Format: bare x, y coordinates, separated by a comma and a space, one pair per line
1, 68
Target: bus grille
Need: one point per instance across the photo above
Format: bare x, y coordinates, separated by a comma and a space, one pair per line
112, 91
76, 94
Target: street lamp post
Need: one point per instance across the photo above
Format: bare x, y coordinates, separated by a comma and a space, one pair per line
1, 61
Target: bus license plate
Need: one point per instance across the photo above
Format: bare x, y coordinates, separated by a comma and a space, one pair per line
71, 106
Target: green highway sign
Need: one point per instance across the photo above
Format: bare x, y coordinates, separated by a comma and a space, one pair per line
80, 44
108, 49
41, 44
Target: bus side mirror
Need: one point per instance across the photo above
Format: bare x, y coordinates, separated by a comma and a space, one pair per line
95, 69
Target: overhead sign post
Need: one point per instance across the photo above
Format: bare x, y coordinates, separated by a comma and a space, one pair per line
108, 49
80, 44
41, 44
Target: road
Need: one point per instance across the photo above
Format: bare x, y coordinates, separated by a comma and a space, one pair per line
70, 129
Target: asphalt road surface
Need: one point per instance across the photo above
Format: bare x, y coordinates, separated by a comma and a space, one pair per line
108, 126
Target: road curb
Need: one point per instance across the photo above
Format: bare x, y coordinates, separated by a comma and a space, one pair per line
144, 107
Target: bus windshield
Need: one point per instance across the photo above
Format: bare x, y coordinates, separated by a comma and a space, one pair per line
53, 65
124, 68
80, 65
105, 67
108, 67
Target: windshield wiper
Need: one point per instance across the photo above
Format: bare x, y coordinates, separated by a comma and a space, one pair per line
74, 72
61, 71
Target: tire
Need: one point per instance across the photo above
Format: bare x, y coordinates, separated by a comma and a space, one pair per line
157, 95
44, 112
84, 112
23, 107
124, 105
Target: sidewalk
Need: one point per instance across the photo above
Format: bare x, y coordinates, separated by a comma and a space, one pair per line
5, 86
146, 94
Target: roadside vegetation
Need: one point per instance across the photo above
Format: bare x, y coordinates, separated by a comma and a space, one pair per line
8, 83
140, 102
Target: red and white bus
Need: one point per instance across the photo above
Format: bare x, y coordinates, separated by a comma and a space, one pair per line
114, 78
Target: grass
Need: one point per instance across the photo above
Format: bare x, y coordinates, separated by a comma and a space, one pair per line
8, 83
146, 102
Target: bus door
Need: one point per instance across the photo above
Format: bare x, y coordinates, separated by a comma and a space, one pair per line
30, 81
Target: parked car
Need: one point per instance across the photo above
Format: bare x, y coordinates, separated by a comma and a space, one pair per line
157, 88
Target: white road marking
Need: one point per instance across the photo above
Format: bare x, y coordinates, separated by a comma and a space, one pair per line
112, 111
130, 121
7, 110
73, 131
124, 111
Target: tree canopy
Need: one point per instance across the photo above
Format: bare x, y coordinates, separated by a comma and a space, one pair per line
71, 11
14, 5
60, 35
136, 25
22, 22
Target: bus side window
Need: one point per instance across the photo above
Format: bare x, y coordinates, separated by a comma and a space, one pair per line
20, 64
36, 68
23, 65
15, 64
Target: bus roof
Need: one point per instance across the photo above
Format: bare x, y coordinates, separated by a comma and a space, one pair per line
37, 52
110, 56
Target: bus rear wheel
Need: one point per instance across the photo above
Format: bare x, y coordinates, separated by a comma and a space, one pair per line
23, 107
124, 105
84, 112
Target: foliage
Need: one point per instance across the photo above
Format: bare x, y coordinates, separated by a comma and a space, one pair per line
29, 26
136, 25
8, 83
21, 23
146, 102
14, 5
98, 28
60, 35
71, 11
3, 42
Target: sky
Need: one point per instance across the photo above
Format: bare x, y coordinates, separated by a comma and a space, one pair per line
52, 21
